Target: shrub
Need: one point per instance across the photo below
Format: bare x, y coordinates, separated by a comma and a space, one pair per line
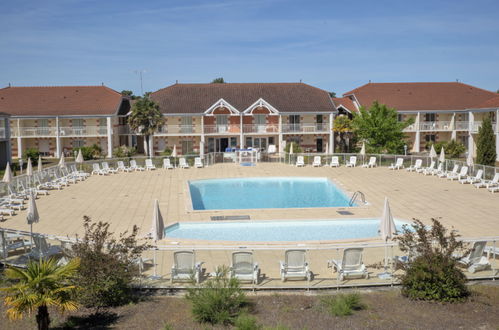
218, 300
452, 148
486, 144
124, 152
107, 264
166, 152
343, 304
432, 272
89, 153
296, 147
247, 322
33, 154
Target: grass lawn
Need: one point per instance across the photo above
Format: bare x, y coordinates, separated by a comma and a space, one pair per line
385, 310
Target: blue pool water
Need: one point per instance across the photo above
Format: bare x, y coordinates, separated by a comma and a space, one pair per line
278, 231
265, 193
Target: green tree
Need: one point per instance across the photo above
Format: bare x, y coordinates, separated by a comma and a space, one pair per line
332, 94
128, 93
42, 284
145, 118
380, 128
343, 126
108, 264
218, 81
486, 144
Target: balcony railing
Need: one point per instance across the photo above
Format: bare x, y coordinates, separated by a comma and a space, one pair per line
178, 130
222, 129
462, 125
261, 128
435, 126
83, 131
33, 131
305, 128
2, 133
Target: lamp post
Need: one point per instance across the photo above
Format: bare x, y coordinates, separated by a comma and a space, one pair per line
405, 149
21, 162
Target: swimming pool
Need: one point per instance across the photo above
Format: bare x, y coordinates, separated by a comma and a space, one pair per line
265, 193
278, 231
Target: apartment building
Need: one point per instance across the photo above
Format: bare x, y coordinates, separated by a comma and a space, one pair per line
441, 111
57, 120
201, 118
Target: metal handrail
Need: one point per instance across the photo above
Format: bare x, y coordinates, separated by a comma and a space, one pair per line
354, 197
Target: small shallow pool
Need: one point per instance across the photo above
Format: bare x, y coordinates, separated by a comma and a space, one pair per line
278, 231
265, 193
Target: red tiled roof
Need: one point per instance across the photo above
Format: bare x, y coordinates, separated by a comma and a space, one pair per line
422, 96
59, 100
285, 97
346, 103
492, 103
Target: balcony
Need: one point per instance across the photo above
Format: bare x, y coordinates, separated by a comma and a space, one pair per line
222, 129
83, 131
261, 129
462, 125
435, 126
305, 128
33, 131
178, 130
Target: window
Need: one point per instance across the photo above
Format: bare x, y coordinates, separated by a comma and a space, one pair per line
233, 142
430, 138
249, 142
429, 117
44, 127
400, 117
211, 145
77, 123
319, 119
294, 123
102, 126
78, 143
186, 123
186, 147
222, 121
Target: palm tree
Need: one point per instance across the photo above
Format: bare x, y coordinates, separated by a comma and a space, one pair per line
42, 284
343, 126
145, 118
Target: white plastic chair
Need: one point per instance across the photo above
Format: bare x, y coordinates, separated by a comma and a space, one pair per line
243, 268
185, 267
135, 167
416, 167
295, 265
472, 179
371, 163
399, 164
167, 164
317, 161
446, 174
458, 176
475, 260
351, 266
121, 167
105, 167
300, 162
149, 165
427, 170
352, 162
488, 183
97, 170
335, 162
198, 163
182, 163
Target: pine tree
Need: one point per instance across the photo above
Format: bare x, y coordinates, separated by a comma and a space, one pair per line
486, 144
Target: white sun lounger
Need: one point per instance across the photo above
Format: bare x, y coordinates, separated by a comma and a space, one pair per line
121, 167
416, 167
149, 165
371, 163
182, 163
317, 161
185, 267
399, 164
243, 268
167, 164
300, 162
488, 183
97, 170
105, 167
475, 260
334, 162
295, 265
446, 174
135, 167
462, 174
352, 162
429, 169
472, 179
198, 163
351, 266
81, 174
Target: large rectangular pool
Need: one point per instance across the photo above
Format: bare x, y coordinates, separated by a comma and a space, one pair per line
265, 193
279, 231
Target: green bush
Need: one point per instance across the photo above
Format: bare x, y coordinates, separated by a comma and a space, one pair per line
343, 304
166, 152
219, 300
89, 153
486, 144
296, 147
124, 152
431, 272
452, 148
247, 322
33, 154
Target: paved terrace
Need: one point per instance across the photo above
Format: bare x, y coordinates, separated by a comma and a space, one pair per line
126, 199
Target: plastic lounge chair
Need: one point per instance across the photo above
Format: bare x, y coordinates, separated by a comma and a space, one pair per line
185, 267
417, 166
43, 249
352, 162
295, 265
243, 268
149, 165
351, 266
334, 162
371, 163
97, 170
121, 167
81, 174
493, 189
458, 176
105, 167
472, 179
300, 162
317, 161
475, 260
68, 177
182, 163
427, 170
167, 164
399, 164
135, 167
198, 163
12, 242
445, 174
488, 183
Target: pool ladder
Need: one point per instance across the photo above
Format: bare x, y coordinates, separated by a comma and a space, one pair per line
355, 196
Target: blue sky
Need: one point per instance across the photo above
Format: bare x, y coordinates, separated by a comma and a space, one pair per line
334, 45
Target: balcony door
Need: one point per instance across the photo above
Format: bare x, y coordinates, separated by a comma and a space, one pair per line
260, 123
78, 126
102, 126
294, 123
44, 127
186, 125
319, 123
222, 122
